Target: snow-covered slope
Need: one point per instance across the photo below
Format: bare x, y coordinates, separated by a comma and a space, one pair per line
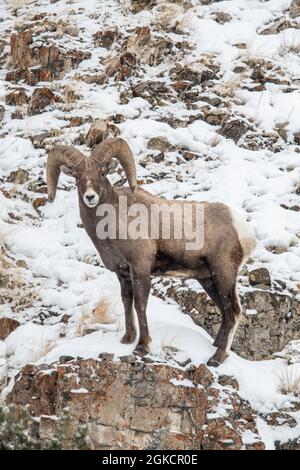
58, 271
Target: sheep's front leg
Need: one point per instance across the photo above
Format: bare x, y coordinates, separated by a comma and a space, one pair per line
141, 288
127, 299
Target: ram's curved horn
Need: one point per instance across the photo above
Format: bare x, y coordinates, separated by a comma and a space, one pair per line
119, 149
59, 156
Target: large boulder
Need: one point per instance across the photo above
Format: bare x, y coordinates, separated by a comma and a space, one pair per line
40, 99
130, 404
270, 319
295, 8
38, 62
7, 326
17, 97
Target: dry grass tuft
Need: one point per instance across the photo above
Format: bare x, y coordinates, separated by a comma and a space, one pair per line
15, 291
3, 377
214, 140
289, 380
167, 345
71, 91
5, 231
104, 311
289, 43
18, 3
103, 314
228, 89
82, 322
165, 15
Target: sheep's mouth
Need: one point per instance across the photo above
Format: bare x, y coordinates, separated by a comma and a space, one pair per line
91, 205
91, 199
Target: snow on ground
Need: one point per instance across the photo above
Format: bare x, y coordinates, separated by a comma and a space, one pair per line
62, 263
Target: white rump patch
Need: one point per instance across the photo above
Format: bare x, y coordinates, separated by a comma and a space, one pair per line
244, 232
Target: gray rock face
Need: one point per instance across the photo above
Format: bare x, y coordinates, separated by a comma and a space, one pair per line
7, 326
40, 99
269, 322
260, 276
136, 405
291, 444
295, 8
234, 129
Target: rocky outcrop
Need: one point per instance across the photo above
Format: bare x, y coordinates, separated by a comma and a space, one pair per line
291, 444
7, 326
279, 24
234, 129
17, 97
132, 404
146, 48
138, 5
295, 8
260, 277
197, 72
153, 91
161, 144
100, 130
105, 38
40, 99
97, 132
270, 319
34, 62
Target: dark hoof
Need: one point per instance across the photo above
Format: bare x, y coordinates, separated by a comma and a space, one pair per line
128, 338
213, 362
141, 349
217, 358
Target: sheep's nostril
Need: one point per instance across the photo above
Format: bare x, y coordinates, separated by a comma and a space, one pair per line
91, 198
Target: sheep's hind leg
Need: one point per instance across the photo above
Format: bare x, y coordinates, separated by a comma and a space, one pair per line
211, 289
231, 310
220, 284
127, 298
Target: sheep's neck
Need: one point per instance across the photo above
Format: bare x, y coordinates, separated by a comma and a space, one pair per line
90, 219
109, 194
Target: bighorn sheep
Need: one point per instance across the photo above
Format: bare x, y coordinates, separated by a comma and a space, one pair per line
228, 240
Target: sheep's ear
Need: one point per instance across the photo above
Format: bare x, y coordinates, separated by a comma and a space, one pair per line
68, 170
112, 165
103, 169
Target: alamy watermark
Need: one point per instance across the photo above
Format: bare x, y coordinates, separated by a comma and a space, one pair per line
173, 220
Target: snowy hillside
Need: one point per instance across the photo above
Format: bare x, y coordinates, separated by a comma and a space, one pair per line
207, 96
